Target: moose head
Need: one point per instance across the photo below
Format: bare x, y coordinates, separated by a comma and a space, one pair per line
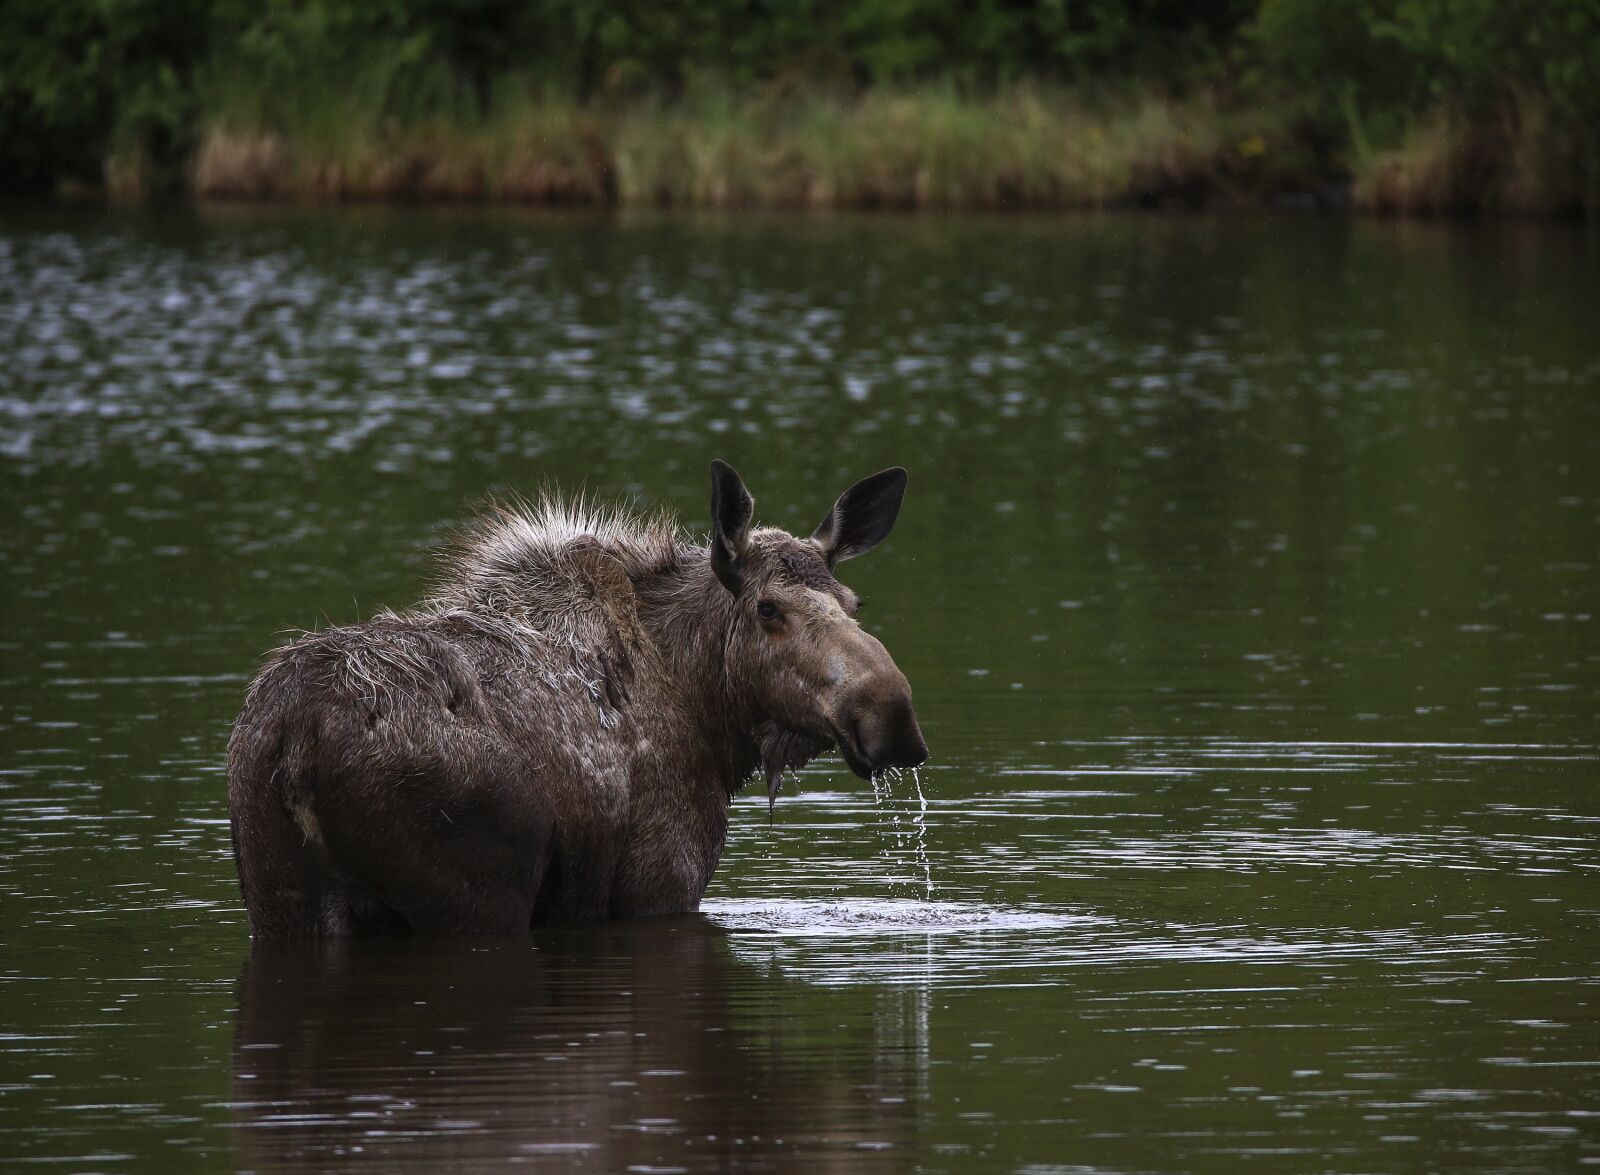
814, 675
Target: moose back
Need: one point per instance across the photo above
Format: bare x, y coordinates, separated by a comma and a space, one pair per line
557, 730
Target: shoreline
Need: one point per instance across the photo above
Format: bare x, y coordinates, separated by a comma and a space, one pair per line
1026, 149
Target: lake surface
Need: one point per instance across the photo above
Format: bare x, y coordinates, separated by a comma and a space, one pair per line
1247, 583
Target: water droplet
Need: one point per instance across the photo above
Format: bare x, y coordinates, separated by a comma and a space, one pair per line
921, 823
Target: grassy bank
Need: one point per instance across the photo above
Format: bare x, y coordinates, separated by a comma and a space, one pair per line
1394, 106
1520, 158
1025, 147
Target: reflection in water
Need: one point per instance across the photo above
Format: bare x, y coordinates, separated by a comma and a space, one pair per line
639, 1046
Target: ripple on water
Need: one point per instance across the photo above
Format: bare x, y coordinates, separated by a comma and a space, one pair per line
886, 916
973, 944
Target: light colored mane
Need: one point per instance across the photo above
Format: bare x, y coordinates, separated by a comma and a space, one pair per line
516, 557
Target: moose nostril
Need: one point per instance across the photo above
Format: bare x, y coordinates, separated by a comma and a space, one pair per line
868, 746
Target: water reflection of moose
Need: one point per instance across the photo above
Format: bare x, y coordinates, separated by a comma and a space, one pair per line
557, 731
640, 1044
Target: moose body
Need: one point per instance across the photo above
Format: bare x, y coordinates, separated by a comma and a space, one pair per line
557, 731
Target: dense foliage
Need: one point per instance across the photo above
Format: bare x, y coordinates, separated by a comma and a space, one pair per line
77, 76
1396, 57
84, 80
665, 44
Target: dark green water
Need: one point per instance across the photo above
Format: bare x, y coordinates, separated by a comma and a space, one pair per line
1247, 583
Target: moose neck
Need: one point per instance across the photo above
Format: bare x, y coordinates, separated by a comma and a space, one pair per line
690, 616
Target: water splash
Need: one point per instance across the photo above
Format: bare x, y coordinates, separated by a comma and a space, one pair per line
912, 842
920, 821
883, 793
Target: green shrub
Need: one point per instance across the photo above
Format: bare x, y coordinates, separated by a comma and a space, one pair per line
82, 80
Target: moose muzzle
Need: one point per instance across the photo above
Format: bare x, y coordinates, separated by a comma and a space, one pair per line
876, 728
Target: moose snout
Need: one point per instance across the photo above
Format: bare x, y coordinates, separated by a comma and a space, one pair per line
884, 737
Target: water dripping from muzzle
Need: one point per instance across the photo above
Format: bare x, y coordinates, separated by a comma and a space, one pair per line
914, 842
921, 822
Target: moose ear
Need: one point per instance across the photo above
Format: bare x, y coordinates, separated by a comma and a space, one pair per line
862, 517
731, 510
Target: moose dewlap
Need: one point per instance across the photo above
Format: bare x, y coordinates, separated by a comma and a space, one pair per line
557, 730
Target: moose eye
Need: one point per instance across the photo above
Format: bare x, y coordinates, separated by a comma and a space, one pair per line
768, 611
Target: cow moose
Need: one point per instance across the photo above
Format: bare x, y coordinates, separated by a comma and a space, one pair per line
556, 731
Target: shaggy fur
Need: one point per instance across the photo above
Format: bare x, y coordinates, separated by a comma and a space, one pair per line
556, 730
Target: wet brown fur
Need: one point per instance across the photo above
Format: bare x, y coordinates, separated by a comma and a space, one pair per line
556, 731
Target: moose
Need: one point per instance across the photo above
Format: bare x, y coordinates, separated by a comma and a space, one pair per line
556, 731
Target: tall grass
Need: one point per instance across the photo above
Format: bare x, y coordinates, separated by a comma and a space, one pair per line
1521, 157
1027, 146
